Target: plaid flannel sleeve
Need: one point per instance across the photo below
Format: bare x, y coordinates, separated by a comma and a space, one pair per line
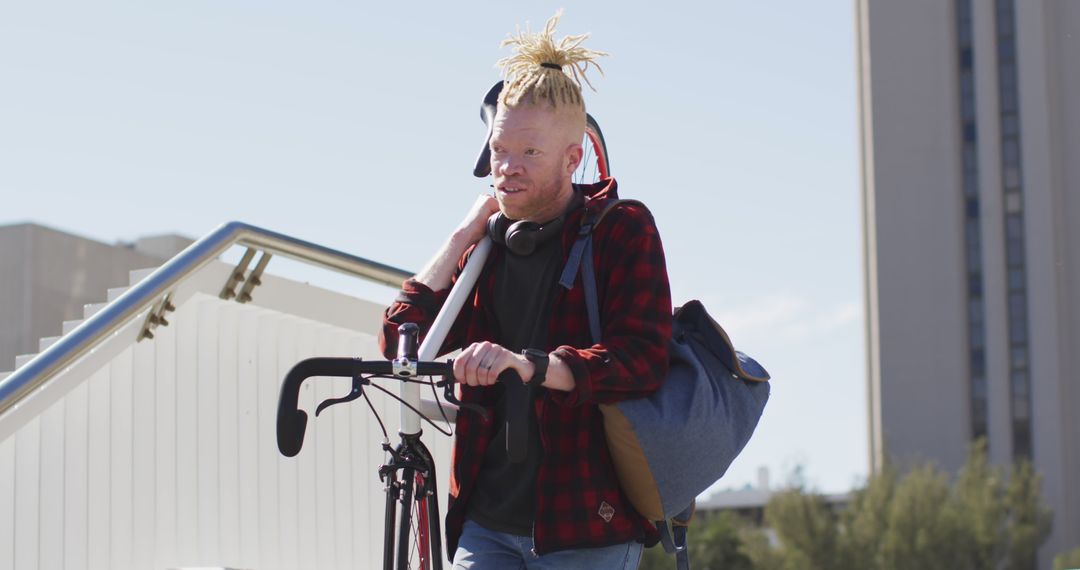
418, 303
631, 361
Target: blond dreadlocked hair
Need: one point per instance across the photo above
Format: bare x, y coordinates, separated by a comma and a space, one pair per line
531, 70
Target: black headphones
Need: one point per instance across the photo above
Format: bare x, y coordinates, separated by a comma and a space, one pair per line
521, 237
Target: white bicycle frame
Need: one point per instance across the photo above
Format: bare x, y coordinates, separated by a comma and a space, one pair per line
429, 349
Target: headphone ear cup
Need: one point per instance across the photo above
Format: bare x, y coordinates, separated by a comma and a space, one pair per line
497, 226
522, 237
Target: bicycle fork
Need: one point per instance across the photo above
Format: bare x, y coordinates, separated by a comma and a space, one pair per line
415, 484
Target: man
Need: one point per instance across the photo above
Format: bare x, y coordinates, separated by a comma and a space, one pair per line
562, 507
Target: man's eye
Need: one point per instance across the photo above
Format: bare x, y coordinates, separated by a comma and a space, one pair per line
532, 152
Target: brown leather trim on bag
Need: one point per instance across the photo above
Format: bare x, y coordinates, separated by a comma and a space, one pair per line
680, 522
631, 467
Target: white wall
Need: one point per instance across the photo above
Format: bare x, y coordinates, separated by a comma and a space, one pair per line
167, 457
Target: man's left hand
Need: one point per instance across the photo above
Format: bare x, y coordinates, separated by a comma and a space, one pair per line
481, 363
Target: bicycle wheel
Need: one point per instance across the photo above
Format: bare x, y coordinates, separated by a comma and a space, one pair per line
595, 164
419, 544
421, 551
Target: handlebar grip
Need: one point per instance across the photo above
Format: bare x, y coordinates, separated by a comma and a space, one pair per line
291, 421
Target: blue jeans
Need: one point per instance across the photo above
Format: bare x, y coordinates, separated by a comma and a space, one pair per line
483, 549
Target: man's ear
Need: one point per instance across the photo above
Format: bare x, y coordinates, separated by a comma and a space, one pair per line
574, 153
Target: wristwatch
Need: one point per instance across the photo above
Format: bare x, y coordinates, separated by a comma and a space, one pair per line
539, 359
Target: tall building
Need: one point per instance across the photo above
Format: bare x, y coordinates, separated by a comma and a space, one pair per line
970, 141
46, 276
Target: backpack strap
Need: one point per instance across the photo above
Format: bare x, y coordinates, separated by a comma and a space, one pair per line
581, 258
672, 537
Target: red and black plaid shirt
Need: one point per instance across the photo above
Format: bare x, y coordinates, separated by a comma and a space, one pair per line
578, 499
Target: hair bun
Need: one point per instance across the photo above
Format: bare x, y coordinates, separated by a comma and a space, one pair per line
545, 68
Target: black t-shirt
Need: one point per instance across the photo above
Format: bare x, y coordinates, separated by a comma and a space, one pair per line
505, 495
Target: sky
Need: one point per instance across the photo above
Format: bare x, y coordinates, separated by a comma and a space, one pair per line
355, 126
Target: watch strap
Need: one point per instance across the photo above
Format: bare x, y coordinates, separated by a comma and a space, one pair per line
540, 361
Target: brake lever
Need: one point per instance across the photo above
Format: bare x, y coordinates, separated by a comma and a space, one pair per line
356, 392
448, 395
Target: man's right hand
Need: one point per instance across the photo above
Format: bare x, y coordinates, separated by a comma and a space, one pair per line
474, 226
439, 271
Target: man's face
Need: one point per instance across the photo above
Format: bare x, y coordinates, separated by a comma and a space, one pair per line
533, 155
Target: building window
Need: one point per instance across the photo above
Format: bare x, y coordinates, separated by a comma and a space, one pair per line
1018, 330
1019, 357
972, 236
1010, 127
1011, 174
1015, 237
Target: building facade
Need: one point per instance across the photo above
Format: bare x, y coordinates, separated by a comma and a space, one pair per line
970, 143
46, 276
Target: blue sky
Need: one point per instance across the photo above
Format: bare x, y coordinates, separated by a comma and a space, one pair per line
356, 125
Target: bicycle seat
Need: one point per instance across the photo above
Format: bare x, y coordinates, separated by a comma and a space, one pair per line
487, 113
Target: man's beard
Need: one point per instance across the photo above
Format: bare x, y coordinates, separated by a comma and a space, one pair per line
540, 203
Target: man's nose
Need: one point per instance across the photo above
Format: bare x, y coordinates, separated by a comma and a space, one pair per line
510, 167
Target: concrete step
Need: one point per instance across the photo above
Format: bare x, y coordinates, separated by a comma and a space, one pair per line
115, 292
91, 309
47, 342
136, 275
23, 359
69, 326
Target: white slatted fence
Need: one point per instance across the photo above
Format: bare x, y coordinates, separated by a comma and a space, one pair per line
166, 457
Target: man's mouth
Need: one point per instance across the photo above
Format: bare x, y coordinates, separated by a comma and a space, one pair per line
510, 189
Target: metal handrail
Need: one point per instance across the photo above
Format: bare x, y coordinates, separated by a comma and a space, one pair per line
144, 295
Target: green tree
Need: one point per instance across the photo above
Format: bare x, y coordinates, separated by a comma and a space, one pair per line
863, 525
1028, 518
985, 517
977, 502
759, 549
716, 543
806, 528
1068, 560
921, 531
982, 519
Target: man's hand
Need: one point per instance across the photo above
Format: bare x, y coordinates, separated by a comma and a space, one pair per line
474, 226
440, 269
481, 363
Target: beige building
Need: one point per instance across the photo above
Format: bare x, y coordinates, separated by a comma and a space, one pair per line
46, 276
970, 136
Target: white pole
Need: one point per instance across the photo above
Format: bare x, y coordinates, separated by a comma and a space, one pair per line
429, 349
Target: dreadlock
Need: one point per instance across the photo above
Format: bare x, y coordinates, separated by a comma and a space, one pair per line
542, 70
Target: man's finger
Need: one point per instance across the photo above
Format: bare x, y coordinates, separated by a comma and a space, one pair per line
487, 366
465, 365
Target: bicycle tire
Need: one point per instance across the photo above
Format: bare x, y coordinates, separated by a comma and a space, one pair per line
422, 551
418, 541
595, 162
403, 551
